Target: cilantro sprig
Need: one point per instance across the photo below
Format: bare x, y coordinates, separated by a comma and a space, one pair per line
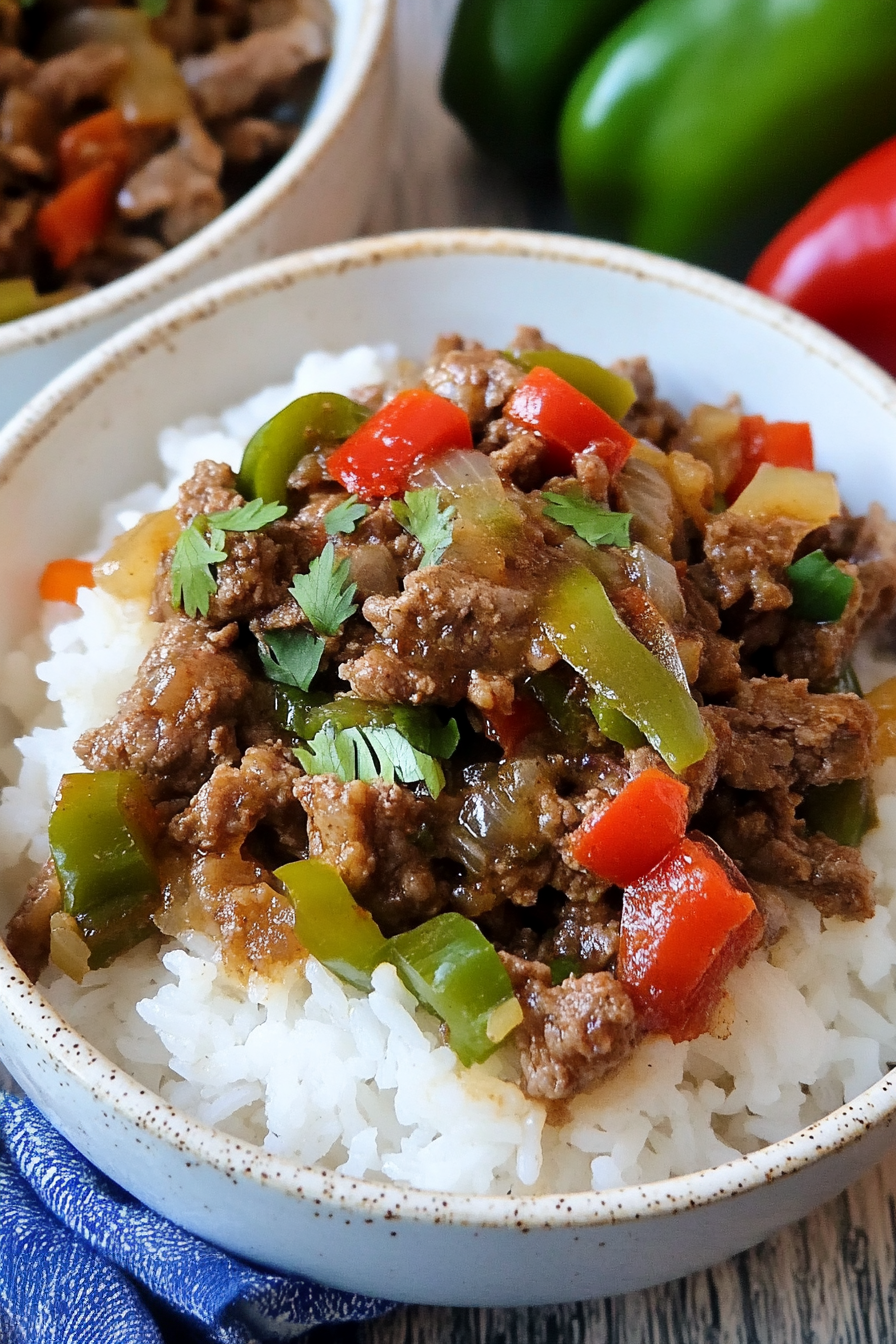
292, 657
369, 753
421, 514
325, 593
590, 521
345, 516
201, 545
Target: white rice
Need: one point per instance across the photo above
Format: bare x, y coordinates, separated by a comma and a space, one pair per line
310, 1068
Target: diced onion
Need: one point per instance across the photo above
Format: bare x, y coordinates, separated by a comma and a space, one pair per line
659, 579
644, 492
503, 1019
500, 812
486, 523
68, 950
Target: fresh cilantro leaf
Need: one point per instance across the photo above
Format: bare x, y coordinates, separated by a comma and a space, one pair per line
192, 581
345, 517
588, 520
426, 733
421, 515
325, 593
248, 517
294, 657
370, 753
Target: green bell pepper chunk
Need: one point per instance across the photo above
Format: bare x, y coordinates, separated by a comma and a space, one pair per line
614, 394
101, 835
697, 129
820, 590
843, 811
19, 298
614, 724
509, 65
579, 619
274, 451
330, 924
452, 968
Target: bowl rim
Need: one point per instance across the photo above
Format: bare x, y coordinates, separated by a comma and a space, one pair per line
324, 125
73, 1054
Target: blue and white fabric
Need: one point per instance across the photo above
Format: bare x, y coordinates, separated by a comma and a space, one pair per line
83, 1262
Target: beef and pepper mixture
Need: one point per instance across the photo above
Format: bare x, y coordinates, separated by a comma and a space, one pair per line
123, 130
514, 677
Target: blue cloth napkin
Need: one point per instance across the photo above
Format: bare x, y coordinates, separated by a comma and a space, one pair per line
83, 1262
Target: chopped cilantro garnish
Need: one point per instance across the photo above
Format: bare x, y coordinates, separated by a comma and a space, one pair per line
590, 521
421, 515
249, 517
345, 517
294, 657
369, 753
192, 581
325, 593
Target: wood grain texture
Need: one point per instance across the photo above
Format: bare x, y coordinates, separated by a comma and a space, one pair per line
828, 1280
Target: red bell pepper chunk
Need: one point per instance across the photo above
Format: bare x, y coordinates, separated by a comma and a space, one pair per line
782, 443
635, 830
511, 730
414, 427
61, 580
100, 139
73, 221
684, 927
836, 260
568, 421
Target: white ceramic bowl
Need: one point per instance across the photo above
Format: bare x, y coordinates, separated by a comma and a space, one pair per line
319, 192
91, 435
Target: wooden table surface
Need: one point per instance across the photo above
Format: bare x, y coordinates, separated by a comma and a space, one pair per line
828, 1280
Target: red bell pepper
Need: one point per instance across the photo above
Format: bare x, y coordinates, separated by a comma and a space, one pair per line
510, 730
100, 139
416, 426
73, 221
61, 580
568, 421
635, 830
836, 260
782, 443
684, 927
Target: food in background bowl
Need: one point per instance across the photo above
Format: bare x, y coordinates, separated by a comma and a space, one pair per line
121, 135
499, 768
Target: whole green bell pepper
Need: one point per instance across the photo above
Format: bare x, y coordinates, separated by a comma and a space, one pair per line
509, 65
697, 129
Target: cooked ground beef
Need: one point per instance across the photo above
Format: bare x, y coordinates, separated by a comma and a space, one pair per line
213, 717
573, 1033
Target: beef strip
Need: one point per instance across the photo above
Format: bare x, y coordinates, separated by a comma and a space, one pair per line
17, 244
446, 624
28, 934
15, 67
229, 80
374, 834
476, 379
251, 139
179, 719
777, 735
27, 134
85, 72
572, 1034
718, 669
763, 833
180, 183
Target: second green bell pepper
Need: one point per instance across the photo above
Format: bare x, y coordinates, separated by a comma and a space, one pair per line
697, 129
509, 65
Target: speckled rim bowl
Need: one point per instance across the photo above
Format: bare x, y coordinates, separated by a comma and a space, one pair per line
318, 192
399, 1243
